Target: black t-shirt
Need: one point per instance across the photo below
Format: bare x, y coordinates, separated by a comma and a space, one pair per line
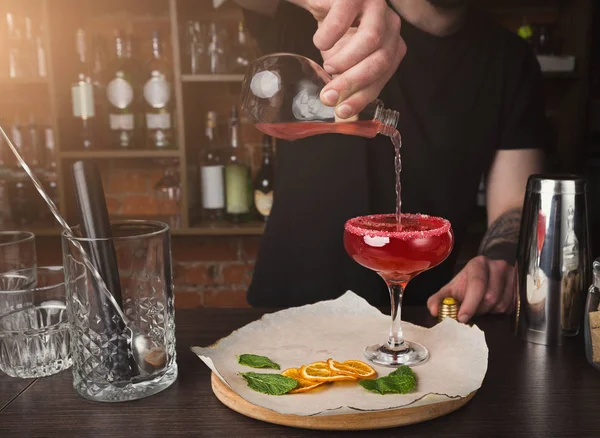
460, 98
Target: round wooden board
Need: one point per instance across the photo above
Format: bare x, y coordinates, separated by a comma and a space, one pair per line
360, 421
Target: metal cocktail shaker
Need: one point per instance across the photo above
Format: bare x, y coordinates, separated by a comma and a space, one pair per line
553, 259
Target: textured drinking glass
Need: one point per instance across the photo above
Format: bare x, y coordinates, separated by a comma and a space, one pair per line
104, 368
17, 260
34, 336
398, 252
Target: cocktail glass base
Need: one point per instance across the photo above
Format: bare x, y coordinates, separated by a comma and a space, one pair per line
411, 353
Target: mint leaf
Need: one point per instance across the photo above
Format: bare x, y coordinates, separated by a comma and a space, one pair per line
403, 370
271, 384
400, 381
254, 361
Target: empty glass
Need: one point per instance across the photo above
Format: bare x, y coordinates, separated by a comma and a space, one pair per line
217, 50
17, 260
34, 330
104, 368
196, 47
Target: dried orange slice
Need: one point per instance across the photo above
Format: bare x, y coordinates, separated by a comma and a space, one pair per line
320, 372
354, 368
304, 385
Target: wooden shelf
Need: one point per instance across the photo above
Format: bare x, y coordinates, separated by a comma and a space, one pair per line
212, 78
132, 18
254, 228
117, 154
218, 229
24, 81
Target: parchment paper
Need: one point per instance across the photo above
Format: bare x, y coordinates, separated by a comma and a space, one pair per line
340, 329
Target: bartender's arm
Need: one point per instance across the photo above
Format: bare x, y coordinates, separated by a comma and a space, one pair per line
360, 43
485, 284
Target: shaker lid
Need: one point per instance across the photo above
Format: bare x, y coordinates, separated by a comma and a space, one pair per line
556, 184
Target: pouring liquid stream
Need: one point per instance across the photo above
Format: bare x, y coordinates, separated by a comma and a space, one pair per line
363, 128
397, 142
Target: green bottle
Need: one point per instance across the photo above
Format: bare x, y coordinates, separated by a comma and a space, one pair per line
237, 176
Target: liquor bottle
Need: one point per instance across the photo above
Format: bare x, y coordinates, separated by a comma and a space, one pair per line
16, 132
237, 175
29, 50
13, 34
21, 191
40, 50
32, 147
196, 47
98, 65
51, 174
50, 180
243, 51
157, 97
121, 97
265, 178
82, 96
212, 180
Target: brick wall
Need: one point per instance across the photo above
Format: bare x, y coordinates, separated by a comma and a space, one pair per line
207, 271
214, 271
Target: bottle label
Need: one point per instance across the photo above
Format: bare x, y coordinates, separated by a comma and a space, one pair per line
236, 186
213, 191
263, 202
157, 91
121, 122
158, 121
82, 96
119, 92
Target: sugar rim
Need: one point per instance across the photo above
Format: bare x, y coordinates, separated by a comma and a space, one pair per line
444, 227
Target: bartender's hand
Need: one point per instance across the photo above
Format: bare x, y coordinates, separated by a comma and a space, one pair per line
361, 45
482, 286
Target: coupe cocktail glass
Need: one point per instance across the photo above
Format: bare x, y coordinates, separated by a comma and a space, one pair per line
398, 253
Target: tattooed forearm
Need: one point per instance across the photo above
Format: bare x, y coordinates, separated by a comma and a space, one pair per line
500, 240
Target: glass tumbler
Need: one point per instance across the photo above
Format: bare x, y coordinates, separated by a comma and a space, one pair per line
34, 334
17, 260
105, 367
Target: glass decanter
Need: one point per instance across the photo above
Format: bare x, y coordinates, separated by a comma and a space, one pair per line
281, 96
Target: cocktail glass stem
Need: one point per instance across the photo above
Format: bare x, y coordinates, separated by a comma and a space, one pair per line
396, 351
396, 340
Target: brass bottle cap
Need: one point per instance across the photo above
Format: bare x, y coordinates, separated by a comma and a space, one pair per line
448, 309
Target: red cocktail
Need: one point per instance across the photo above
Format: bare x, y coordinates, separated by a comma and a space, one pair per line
398, 254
